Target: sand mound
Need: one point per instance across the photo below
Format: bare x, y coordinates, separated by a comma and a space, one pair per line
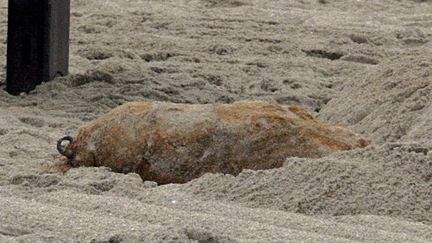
95, 204
391, 103
389, 180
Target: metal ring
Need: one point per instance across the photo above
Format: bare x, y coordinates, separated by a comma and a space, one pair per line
62, 149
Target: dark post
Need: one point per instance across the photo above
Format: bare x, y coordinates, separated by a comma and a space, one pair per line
38, 43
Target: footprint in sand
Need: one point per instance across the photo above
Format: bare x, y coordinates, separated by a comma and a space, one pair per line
32, 121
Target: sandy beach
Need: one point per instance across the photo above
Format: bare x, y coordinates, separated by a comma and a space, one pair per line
365, 65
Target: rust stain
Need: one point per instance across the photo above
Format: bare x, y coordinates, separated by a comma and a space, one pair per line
146, 139
302, 113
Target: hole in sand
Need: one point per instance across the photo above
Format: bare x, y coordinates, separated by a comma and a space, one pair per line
323, 54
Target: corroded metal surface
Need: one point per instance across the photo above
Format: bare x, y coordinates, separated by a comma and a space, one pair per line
175, 143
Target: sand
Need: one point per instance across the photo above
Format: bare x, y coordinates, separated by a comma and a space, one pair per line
362, 64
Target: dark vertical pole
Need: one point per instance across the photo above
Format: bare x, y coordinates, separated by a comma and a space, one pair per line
38, 43
57, 46
24, 49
